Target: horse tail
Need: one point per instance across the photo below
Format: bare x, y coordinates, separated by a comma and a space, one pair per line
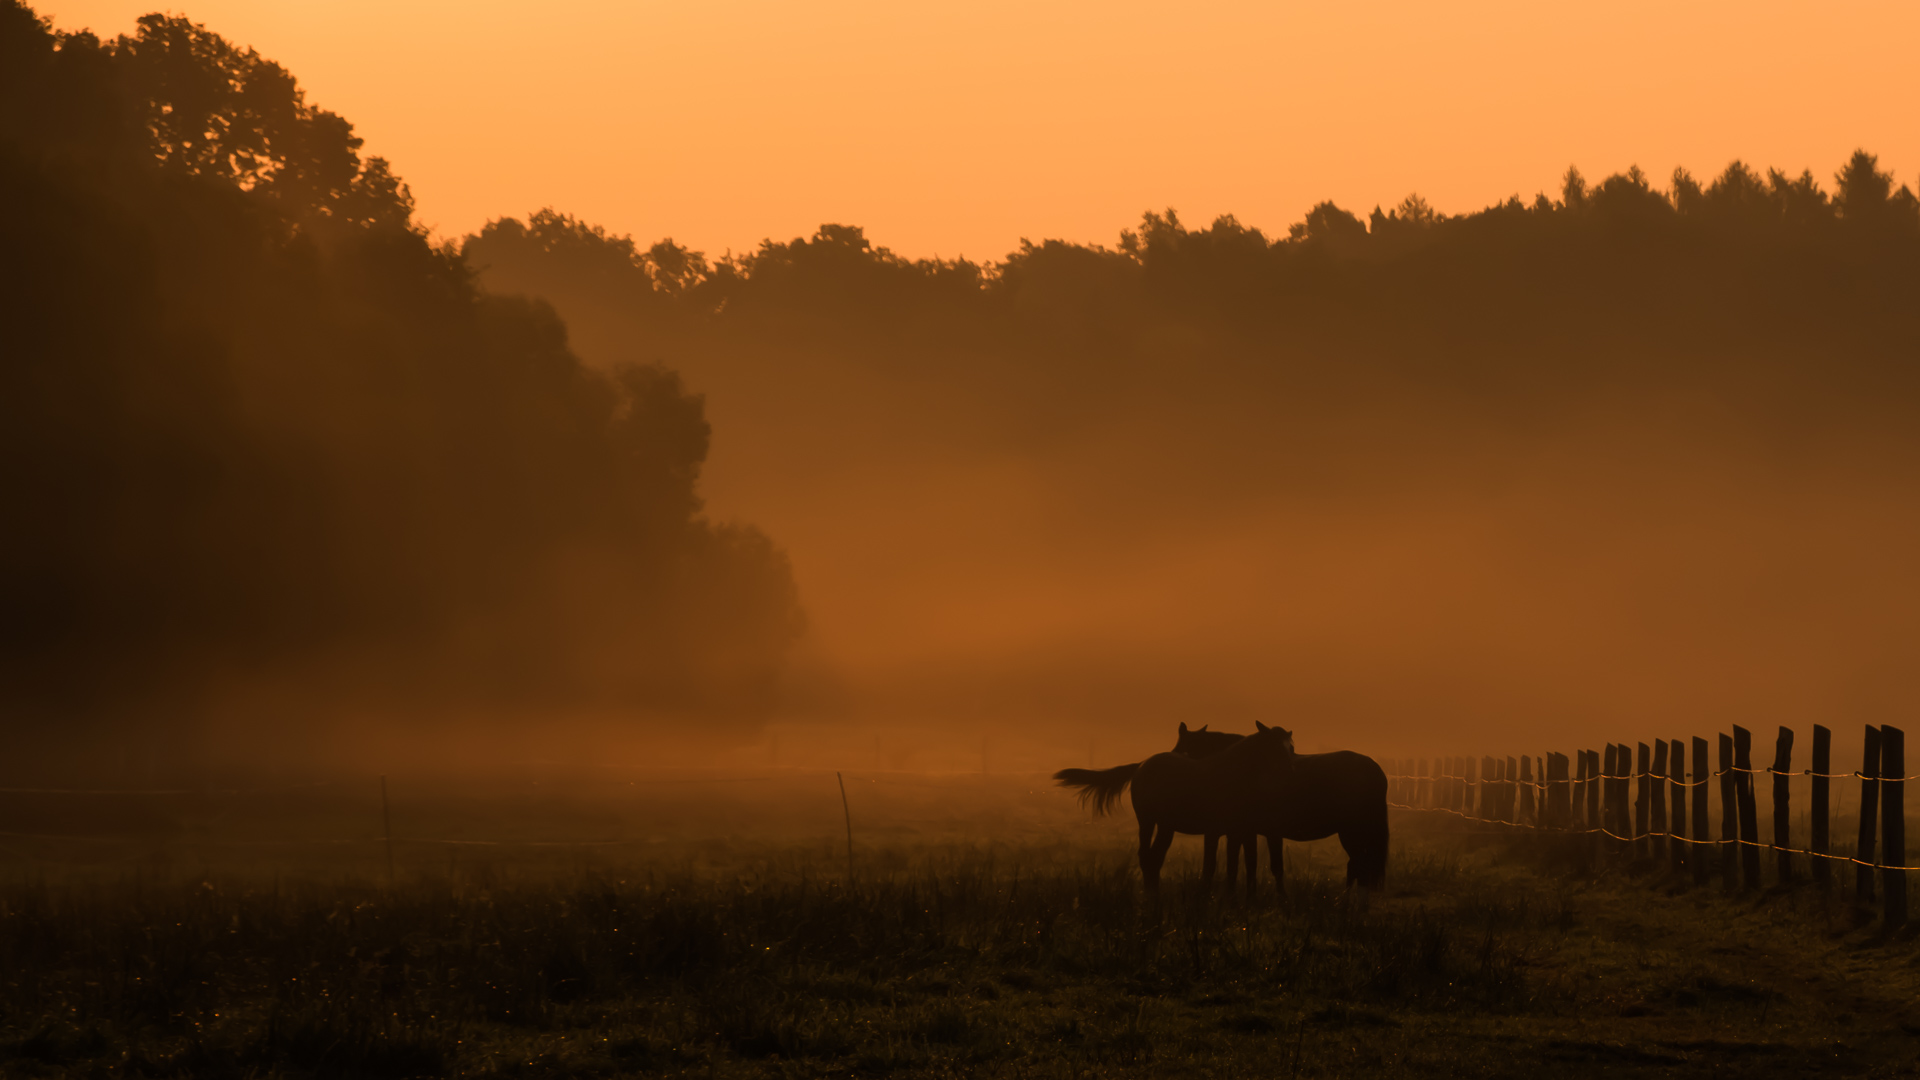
1099, 788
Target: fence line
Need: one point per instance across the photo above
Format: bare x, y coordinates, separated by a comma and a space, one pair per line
1621, 797
1603, 831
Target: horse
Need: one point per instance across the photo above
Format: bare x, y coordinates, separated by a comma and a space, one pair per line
1341, 792
1315, 796
1104, 786
1227, 793
1199, 743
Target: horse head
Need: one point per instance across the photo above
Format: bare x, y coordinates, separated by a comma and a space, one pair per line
1274, 745
1199, 742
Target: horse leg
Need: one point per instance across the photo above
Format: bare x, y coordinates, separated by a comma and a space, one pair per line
1365, 842
1251, 843
1154, 858
1233, 863
1149, 866
1207, 864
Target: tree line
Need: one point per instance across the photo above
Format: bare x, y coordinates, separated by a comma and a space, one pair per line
1749, 278
271, 454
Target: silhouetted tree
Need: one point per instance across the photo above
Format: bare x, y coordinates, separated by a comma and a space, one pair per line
255, 428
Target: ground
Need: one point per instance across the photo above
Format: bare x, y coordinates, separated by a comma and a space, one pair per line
1488, 955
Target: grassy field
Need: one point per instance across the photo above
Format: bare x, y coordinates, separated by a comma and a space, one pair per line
946, 955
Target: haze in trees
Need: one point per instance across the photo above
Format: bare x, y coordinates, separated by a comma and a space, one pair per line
278, 470
1622, 449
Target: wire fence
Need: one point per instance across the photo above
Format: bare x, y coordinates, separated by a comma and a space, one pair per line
361, 791
1620, 797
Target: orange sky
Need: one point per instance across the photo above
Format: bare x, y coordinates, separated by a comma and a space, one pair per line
958, 128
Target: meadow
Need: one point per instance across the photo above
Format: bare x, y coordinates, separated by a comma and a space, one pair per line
988, 929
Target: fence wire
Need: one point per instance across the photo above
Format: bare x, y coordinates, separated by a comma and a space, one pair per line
1540, 788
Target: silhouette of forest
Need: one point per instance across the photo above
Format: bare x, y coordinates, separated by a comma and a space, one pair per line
1761, 285
271, 455
1623, 448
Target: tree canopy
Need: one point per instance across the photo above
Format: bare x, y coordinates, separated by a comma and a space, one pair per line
265, 443
1608, 284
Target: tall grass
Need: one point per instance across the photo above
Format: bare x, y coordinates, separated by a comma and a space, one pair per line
937, 958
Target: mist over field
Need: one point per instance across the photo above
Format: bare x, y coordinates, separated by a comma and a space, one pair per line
1628, 455
294, 482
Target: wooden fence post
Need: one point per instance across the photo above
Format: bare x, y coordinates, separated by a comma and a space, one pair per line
1677, 854
1527, 809
1657, 789
1642, 800
1869, 816
1471, 770
1510, 791
1575, 768
1622, 824
1622, 799
1559, 792
1782, 817
1698, 853
1749, 812
1425, 793
1489, 789
1593, 793
1609, 799
1569, 808
1893, 823
1818, 804
1729, 815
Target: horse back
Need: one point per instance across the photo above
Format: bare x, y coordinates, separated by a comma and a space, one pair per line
1325, 793
1194, 795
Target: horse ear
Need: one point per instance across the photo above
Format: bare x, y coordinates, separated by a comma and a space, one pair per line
1183, 727
1258, 726
1203, 727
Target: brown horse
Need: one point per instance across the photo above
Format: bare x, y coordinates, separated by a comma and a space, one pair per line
1224, 794
1342, 792
1200, 743
1300, 797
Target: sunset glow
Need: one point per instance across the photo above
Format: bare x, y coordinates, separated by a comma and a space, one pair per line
957, 128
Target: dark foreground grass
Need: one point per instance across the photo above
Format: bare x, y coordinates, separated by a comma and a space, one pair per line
1485, 958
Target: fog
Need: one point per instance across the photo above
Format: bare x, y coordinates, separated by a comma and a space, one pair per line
301, 488
1653, 489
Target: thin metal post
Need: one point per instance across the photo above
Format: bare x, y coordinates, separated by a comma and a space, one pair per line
386, 823
849, 816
